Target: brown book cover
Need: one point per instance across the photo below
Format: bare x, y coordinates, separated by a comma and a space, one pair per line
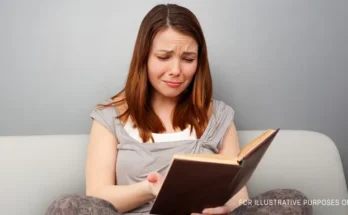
196, 181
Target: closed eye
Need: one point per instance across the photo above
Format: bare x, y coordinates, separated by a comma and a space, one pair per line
162, 57
188, 59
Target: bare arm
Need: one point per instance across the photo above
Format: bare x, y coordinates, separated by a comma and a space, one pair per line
230, 146
101, 173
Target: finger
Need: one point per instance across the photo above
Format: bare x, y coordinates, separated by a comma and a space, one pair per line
217, 210
153, 177
196, 214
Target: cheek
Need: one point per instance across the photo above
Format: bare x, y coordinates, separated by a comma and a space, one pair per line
189, 70
156, 69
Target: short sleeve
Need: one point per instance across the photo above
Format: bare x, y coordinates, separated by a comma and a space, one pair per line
106, 116
229, 118
223, 116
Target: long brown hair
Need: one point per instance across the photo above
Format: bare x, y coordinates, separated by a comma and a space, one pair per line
193, 105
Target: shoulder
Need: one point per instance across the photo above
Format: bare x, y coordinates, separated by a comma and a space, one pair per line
119, 103
107, 112
221, 107
221, 121
115, 104
105, 115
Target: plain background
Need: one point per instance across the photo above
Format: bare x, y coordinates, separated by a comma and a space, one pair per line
277, 63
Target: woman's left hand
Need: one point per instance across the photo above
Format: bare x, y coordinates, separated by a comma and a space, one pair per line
222, 210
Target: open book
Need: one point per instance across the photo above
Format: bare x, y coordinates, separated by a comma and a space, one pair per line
198, 181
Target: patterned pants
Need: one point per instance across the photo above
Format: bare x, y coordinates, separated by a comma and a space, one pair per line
76, 204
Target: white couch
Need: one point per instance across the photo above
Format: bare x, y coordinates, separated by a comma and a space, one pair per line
37, 169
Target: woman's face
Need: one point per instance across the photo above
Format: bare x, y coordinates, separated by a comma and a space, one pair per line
172, 62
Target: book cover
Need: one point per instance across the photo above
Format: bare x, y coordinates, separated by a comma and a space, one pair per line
195, 182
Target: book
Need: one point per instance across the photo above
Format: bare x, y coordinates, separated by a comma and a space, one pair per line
198, 181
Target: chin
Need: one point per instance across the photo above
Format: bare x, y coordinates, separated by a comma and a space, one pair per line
171, 94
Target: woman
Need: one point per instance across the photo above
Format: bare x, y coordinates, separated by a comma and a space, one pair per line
165, 108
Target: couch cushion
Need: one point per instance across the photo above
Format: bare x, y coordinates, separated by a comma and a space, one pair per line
38, 169
303, 160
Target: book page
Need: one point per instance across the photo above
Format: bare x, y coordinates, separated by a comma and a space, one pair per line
225, 159
213, 158
250, 146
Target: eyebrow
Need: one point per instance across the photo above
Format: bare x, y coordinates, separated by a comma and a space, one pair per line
171, 51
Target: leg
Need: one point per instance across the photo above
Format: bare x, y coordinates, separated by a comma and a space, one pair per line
76, 204
260, 206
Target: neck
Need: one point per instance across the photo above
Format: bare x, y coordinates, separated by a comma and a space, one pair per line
160, 102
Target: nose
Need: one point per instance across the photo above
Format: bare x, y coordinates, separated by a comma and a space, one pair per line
175, 68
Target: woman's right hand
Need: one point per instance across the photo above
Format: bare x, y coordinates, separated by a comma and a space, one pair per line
155, 181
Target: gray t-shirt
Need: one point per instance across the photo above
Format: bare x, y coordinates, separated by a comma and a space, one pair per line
135, 160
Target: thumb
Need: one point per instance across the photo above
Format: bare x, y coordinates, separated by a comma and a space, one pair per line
154, 177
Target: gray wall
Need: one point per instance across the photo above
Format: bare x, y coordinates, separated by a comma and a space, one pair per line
277, 63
